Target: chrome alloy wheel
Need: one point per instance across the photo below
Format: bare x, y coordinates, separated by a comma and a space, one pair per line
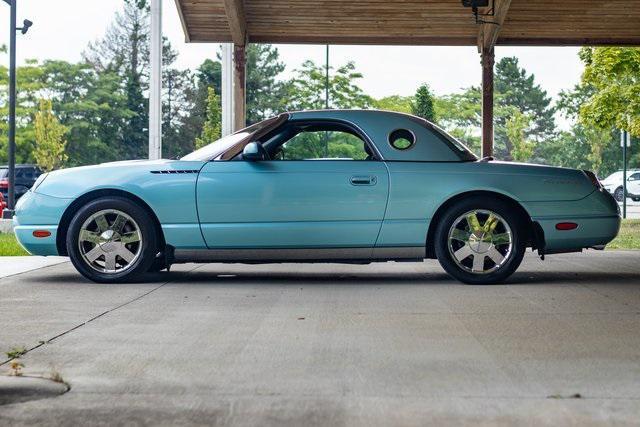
110, 241
480, 241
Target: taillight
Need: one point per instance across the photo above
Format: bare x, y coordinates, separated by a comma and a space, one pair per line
593, 178
4, 183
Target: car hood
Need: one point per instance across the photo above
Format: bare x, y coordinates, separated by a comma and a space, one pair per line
126, 175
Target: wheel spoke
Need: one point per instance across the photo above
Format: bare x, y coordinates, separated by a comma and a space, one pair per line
478, 263
126, 254
495, 256
462, 253
490, 224
103, 224
89, 236
501, 239
132, 237
474, 224
461, 235
110, 261
118, 224
94, 254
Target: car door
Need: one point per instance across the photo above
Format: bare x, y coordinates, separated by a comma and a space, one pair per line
320, 192
633, 184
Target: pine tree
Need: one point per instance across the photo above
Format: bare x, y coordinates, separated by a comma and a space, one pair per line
423, 106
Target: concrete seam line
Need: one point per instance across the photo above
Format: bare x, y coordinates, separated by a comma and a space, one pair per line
37, 268
139, 297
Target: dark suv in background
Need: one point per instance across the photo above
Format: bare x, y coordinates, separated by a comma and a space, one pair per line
26, 176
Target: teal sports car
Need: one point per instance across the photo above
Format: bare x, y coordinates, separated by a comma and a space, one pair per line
350, 186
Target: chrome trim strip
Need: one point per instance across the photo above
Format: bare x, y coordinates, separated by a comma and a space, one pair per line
296, 255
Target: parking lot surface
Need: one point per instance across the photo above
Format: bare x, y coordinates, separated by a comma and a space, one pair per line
325, 344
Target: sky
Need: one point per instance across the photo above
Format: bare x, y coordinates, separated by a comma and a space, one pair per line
62, 29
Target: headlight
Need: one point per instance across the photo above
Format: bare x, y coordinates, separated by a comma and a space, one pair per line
39, 181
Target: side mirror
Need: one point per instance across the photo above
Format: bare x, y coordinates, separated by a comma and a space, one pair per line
254, 152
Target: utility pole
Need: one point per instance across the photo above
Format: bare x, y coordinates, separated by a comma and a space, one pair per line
11, 199
625, 141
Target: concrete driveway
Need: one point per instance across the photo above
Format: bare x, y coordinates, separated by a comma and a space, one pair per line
385, 344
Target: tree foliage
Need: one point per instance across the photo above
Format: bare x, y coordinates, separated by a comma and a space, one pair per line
614, 75
423, 104
50, 151
213, 124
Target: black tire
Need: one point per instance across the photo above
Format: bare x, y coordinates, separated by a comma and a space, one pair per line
147, 230
636, 199
513, 258
618, 194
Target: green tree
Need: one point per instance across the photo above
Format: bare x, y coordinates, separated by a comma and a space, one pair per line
401, 104
614, 74
516, 127
266, 95
516, 88
50, 152
423, 105
213, 123
307, 88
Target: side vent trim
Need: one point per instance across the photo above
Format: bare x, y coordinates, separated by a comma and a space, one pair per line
173, 172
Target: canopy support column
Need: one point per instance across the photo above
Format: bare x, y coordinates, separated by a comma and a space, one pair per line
155, 83
488, 60
239, 86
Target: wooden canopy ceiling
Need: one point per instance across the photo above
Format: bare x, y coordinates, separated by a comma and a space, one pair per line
411, 22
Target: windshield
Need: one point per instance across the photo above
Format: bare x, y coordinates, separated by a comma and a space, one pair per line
234, 143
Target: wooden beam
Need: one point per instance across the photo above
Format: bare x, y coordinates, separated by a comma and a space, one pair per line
489, 30
237, 21
488, 59
239, 87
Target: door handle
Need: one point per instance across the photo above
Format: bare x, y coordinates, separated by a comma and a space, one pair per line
363, 180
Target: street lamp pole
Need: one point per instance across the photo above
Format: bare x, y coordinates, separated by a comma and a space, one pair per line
11, 202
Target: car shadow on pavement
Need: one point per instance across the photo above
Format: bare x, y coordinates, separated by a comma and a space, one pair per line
262, 277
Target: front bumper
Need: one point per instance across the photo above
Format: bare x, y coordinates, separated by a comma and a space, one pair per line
35, 211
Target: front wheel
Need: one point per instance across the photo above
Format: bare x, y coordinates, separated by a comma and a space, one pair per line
111, 240
480, 241
618, 194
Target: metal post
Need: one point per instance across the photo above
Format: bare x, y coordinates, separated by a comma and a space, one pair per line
11, 199
239, 86
155, 89
623, 136
326, 100
227, 89
488, 60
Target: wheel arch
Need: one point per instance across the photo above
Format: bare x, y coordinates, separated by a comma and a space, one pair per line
68, 214
532, 229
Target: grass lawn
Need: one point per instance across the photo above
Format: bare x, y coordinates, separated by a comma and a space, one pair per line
629, 238
9, 246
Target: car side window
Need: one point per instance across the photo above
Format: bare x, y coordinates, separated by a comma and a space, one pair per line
315, 144
635, 177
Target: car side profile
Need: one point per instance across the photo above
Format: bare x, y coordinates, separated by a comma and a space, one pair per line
353, 186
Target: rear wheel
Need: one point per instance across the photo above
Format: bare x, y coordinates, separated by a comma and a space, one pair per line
112, 239
618, 194
480, 241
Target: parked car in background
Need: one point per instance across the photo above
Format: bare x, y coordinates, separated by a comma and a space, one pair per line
613, 184
3, 204
26, 176
353, 186
633, 187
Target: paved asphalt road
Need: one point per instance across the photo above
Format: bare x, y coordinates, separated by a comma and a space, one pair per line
633, 209
385, 344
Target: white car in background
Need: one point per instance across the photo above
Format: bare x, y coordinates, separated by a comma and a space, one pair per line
613, 184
